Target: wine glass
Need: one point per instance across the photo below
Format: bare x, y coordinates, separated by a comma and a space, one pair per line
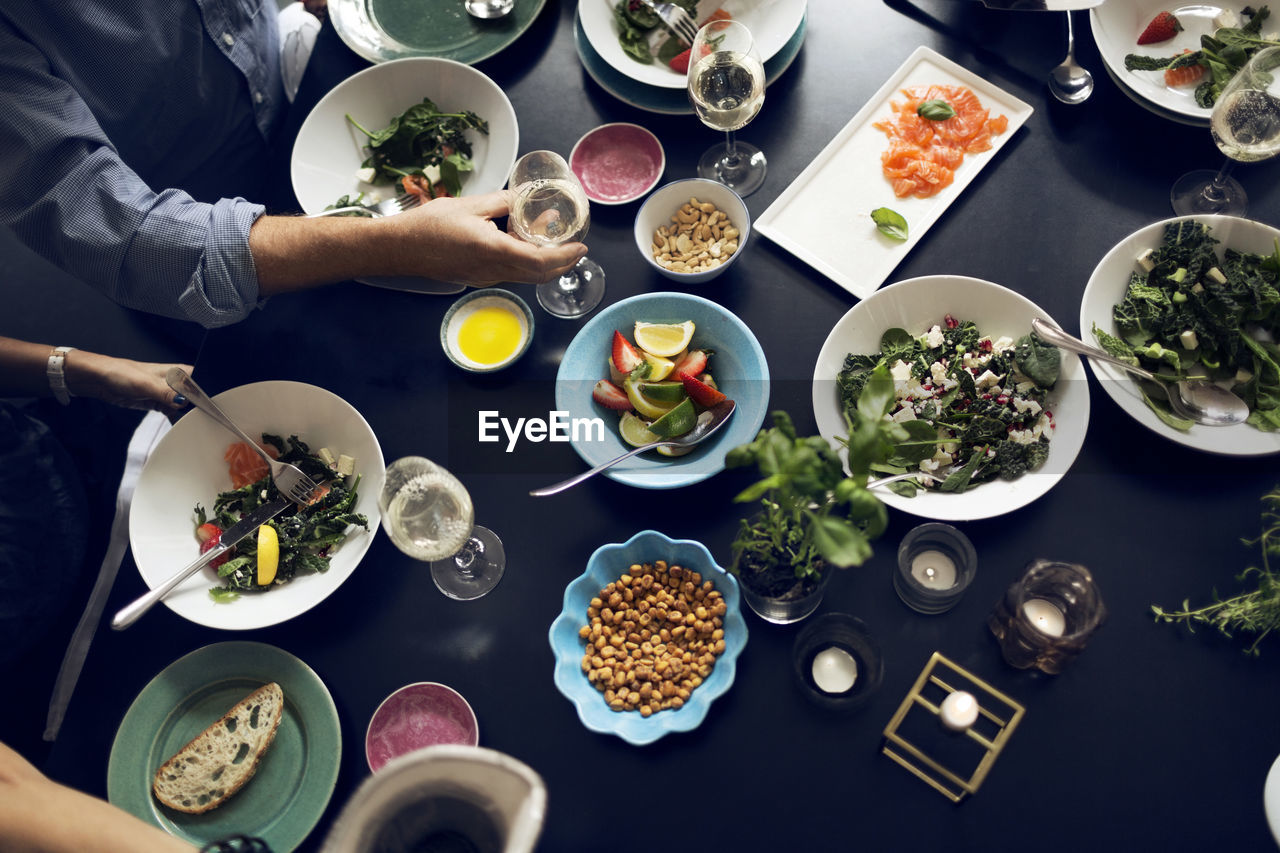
428, 514
550, 207
1245, 124
726, 88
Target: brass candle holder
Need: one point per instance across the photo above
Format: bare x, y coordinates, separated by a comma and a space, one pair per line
947, 742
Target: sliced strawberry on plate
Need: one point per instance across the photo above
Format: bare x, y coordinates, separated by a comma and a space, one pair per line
208, 531
215, 538
610, 396
693, 363
699, 391
625, 356
1163, 27
680, 62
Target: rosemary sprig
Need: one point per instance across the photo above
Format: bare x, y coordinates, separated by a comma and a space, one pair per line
1256, 611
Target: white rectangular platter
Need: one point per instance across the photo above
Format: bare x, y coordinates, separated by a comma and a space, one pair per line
824, 216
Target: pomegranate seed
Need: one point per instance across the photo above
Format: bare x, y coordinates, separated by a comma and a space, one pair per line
986, 396
1002, 399
951, 322
984, 346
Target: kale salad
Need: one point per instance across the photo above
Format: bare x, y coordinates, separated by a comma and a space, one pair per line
1187, 313
971, 409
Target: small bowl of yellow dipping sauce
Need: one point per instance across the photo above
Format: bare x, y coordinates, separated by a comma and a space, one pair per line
486, 330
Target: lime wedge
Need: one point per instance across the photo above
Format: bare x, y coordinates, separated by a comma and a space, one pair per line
678, 421
642, 404
663, 392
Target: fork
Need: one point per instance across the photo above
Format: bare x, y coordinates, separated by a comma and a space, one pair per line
386, 207
289, 479
675, 19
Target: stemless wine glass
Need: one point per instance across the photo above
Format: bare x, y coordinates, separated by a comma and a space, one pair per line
1245, 124
726, 88
428, 514
550, 207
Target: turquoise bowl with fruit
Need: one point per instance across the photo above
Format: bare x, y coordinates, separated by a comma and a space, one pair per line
736, 367
607, 565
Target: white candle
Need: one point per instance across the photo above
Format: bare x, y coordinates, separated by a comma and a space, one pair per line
959, 710
934, 569
1045, 616
834, 670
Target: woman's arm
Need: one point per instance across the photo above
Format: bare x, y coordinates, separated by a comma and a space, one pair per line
119, 381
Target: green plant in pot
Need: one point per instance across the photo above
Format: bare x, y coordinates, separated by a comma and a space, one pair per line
813, 517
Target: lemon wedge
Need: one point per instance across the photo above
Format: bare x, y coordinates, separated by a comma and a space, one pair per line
663, 339
659, 368
268, 554
635, 431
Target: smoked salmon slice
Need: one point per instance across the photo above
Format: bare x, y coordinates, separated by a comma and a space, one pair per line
923, 154
245, 466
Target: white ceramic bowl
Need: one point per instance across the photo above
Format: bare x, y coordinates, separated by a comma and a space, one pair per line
456, 316
659, 207
329, 150
1107, 286
915, 305
617, 163
187, 468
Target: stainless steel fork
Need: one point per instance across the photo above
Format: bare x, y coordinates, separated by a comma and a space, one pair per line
675, 19
386, 207
289, 479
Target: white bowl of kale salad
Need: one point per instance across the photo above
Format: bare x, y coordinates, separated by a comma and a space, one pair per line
197, 479
1193, 296
987, 410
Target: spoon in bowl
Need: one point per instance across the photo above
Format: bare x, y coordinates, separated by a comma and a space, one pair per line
488, 9
1068, 82
708, 422
1196, 400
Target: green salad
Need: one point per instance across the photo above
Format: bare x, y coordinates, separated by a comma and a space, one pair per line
1188, 313
307, 535
970, 409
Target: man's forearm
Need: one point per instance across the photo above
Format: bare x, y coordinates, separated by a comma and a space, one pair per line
291, 253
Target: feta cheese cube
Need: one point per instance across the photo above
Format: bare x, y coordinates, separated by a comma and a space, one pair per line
1002, 344
900, 371
987, 380
366, 175
934, 337
906, 413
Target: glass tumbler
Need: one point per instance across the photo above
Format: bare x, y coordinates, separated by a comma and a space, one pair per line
1046, 618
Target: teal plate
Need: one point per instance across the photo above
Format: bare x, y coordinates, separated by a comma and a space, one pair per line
291, 789
380, 30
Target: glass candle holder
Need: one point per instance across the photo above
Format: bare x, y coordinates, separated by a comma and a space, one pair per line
837, 662
936, 564
1046, 618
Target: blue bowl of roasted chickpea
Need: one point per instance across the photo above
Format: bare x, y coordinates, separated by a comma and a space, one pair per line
648, 638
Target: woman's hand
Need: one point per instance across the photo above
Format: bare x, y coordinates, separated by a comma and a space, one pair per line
123, 382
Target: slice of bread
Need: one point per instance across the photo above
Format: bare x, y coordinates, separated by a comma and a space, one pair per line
221, 759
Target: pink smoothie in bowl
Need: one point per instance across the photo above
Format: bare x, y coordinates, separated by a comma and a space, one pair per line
617, 163
417, 716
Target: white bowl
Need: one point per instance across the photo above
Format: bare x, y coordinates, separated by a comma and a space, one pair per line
187, 468
1107, 286
329, 149
659, 207
915, 305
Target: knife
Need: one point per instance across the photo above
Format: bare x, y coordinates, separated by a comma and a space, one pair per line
1041, 5
233, 534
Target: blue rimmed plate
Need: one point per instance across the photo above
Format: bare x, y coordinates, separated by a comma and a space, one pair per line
606, 565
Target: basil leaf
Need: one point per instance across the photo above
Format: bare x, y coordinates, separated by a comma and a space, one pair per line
936, 110
890, 223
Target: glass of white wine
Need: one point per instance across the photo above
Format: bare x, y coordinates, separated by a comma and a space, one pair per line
726, 88
1246, 127
549, 207
428, 514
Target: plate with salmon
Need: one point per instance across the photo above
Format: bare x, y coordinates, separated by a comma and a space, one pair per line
910, 150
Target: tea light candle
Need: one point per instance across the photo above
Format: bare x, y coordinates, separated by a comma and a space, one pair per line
834, 670
934, 569
959, 710
1045, 616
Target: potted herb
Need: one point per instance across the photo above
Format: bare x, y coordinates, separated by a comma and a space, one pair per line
813, 518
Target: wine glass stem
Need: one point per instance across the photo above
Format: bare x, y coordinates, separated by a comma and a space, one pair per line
469, 555
1216, 190
730, 149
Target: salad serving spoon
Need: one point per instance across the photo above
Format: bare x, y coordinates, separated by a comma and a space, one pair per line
708, 422
1069, 82
1196, 400
488, 9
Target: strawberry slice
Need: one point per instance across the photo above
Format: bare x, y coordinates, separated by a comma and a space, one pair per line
207, 531
680, 62
694, 362
215, 538
610, 396
699, 391
1163, 27
625, 357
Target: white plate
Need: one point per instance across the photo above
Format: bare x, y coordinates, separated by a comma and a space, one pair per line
915, 305
1116, 27
824, 216
187, 468
329, 150
1271, 799
772, 23
1106, 287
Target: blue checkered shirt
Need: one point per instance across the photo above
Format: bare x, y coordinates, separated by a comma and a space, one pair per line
117, 115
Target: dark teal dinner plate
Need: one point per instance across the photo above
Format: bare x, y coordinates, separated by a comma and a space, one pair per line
291, 789
380, 30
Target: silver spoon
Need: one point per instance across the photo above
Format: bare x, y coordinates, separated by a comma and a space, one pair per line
488, 9
708, 422
1068, 82
1196, 400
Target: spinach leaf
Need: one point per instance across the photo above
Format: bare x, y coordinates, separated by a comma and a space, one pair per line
1039, 361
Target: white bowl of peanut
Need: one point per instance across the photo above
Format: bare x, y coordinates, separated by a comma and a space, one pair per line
692, 230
